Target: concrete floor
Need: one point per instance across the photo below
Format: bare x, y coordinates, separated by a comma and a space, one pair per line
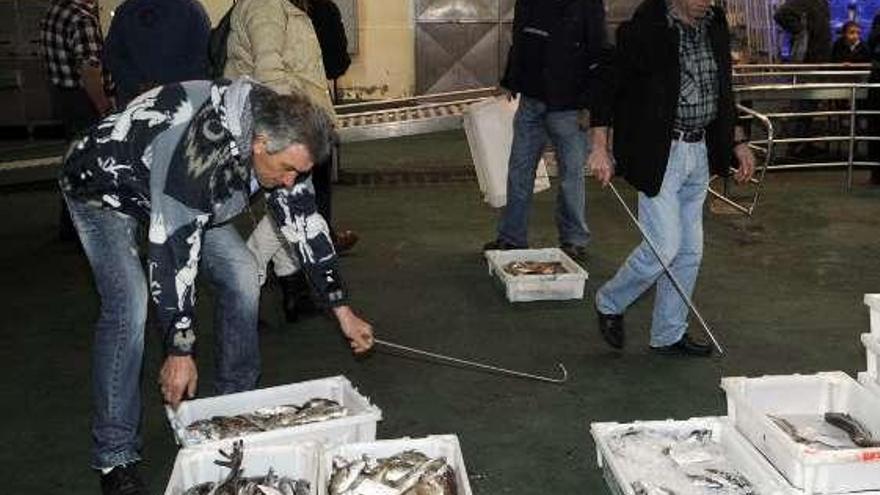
783, 291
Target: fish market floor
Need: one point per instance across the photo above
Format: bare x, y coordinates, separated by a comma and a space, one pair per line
783, 292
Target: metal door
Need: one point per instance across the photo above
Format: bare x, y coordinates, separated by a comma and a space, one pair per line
461, 44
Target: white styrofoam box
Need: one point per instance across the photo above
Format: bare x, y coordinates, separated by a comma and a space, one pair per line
873, 303
488, 126
814, 470
620, 473
358, 426
295, 460
872, 384
433, 446
872, 350
522, 288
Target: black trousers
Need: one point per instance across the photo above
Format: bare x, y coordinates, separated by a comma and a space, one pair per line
322, 179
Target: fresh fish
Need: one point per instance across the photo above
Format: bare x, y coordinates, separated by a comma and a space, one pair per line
857, 432
406, 473
345, 475
235, 484
517, 268
736, 480
792, 431
264, 419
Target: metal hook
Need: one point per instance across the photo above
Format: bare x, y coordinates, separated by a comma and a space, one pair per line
475, 364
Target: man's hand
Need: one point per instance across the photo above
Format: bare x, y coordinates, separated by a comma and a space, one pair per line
599, 161
358, 331
177, 377
746, 160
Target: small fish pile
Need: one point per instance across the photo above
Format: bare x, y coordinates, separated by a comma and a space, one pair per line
265, 419
517, 268
236, 484
678, 462
407, 473
831, 431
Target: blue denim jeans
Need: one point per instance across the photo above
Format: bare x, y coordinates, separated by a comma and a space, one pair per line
674, 221
532, 125
110, 241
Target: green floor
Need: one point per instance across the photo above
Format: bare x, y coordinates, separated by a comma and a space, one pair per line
783, 291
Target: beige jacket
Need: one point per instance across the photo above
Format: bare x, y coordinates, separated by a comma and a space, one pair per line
275, 43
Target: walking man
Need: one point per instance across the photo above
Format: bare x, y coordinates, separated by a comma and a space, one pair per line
667, 93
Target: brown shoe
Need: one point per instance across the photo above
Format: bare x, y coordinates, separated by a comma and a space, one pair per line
344, 241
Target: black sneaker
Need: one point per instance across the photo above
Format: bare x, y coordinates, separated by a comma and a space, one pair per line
686, 346
123, 480
577, 253
499, 245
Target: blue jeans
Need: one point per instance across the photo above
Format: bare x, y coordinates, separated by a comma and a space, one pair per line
110, 241
532, 125
674, 221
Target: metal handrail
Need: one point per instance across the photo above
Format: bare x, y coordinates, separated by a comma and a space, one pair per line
852, 139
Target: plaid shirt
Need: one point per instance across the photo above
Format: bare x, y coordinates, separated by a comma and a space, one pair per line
70, 36
698, 93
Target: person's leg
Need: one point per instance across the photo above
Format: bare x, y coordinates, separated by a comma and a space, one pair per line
669, 321
232, 270
572, 146
110, 243
659, 215
263, 244
529, 138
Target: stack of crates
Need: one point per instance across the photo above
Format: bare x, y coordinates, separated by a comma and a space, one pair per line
301, 452
752, 437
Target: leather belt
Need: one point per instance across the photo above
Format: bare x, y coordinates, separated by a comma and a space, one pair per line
689, 136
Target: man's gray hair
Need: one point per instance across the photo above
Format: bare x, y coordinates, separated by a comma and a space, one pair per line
286, 120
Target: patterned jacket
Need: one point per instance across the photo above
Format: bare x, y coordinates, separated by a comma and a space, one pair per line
176, 159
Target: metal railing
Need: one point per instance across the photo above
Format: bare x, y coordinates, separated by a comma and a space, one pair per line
852, 115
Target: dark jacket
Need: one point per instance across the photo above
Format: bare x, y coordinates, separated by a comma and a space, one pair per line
841, 52
171, 160
556, 48
327, 21
639, 93
792, 16
156, 42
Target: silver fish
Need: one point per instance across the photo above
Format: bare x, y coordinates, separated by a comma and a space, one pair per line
857, 432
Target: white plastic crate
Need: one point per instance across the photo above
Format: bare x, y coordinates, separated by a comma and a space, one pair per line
294, 460
523, 288
433, 446
488, 126
873, 303
871, 383
872, 351
358, 426
620, 472
811, 469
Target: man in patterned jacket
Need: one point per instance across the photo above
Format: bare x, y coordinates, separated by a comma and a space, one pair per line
183, 160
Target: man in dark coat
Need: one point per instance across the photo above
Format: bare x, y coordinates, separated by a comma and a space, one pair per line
551, 65
668, 94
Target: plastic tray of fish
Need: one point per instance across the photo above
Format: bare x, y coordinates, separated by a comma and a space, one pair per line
873, 303
248, 468
557, 277
698, 456
351, 419
822, 431
365, 468
872, 351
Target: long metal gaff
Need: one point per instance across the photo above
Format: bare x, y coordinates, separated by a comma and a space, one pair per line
674, 280
475, 364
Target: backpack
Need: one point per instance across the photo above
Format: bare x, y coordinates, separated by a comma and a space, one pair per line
217, 45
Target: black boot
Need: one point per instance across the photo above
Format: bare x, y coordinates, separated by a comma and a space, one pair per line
297, 299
